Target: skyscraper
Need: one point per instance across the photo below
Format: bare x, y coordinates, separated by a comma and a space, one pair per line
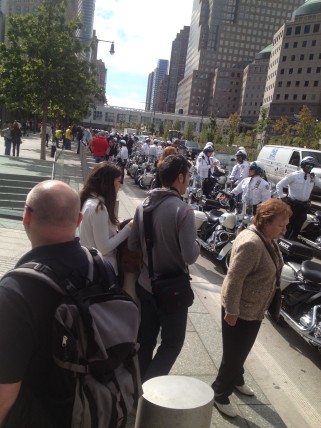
177, 67
159, 73
224, 37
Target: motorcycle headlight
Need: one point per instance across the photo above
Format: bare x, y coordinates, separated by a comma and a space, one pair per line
199, 193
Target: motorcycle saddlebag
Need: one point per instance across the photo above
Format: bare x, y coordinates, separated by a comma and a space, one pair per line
295, 250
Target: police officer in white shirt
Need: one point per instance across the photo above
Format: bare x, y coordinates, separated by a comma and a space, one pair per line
300, 185
205, 167
123, 156
145, 147
241, 169
254, 188
153, 151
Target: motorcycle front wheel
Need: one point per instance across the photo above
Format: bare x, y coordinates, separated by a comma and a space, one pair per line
140, 183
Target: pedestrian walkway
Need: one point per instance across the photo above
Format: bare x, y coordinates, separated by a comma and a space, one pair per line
201, 354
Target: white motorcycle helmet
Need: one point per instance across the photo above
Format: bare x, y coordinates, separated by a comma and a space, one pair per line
228, 220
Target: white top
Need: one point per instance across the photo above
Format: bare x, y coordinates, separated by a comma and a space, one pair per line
123, 154
240, 171
97, 231
299, 188
254, 190
145, 148
203, 165
153, 151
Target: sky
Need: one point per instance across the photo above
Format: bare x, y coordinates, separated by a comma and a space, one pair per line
143, 32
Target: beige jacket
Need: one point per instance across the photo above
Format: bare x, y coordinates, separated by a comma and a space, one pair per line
250, 283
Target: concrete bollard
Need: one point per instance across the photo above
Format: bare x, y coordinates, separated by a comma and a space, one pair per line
175, 402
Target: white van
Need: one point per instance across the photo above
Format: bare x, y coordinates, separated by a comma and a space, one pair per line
280, 161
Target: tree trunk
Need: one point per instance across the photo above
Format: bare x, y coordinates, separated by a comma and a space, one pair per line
43, 132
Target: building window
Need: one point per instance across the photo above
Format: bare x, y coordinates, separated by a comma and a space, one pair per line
288, 84
311, 56
280, 84
316, 28
295, 44
299, 70
289, 31
284, 58
282, 71
298, 30
277, 96
301, 57
316, 83
306, 83
286, 45
304, 44
290, 70
313, 43
297, 83
295, 97
309, 70
292, 57
318, 70
306, 29
286, 96
304, 97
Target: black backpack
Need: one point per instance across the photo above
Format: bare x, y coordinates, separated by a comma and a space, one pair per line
94, 338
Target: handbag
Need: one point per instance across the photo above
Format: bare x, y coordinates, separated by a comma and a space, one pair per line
274, 308
172, 290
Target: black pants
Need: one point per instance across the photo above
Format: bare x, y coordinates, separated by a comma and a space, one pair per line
237, 343
173, 327
297, 219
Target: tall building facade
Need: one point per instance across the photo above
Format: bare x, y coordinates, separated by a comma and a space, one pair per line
224, 37
159, 73
253, 86
177, 67
4, 8
149, 92
294, 76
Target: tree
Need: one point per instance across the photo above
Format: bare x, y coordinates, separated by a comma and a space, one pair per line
306, 128
283, 128
42, 68
233, 125
189, 134
161, 128
177, 125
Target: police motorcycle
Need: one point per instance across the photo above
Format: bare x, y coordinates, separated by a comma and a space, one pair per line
310, 233
216, 228
145, 180
300, 284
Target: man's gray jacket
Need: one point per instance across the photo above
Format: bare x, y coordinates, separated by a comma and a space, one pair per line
174, 234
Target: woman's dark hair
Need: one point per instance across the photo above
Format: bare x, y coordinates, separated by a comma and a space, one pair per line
268, 210
100, 182
171, 167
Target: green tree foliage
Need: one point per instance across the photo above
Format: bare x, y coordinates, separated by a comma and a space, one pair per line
177, 125
306, 128
232, 128
189, 134
43, 69
283, 128
161, 128
263, 121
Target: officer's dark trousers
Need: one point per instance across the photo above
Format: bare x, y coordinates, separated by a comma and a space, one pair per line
173, 327
296, 220
237, 343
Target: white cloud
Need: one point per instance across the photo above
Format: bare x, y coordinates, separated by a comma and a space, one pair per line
143, 31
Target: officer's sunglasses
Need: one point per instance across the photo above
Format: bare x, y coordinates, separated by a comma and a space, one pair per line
309, 165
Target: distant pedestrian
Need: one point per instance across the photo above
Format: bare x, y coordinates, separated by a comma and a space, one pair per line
99, 147
7, 138
16, 139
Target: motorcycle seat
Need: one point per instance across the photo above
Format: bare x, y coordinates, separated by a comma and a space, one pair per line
311, 271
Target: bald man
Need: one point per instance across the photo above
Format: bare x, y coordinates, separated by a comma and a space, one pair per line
31, 393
